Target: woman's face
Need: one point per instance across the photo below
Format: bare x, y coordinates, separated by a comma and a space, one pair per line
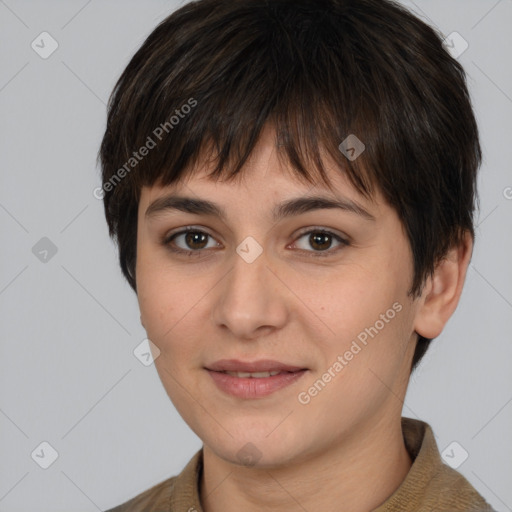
320, 290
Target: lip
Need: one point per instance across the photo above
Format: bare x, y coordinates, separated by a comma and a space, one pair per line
251, 387
262, 365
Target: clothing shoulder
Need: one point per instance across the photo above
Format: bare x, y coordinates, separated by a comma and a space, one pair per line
431, 485
155, 499
449, 490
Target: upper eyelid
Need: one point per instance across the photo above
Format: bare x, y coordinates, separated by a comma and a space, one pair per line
321, 229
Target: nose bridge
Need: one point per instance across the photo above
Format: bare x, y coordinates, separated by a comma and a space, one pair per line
250, 297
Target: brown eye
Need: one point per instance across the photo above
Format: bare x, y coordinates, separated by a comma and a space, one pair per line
189, 242
321, 242
196, 239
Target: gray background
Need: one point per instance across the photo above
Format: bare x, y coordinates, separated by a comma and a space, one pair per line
69, 325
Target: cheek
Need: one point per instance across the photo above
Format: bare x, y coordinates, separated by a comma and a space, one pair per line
159, 297
367, 310
353, 298
171, 303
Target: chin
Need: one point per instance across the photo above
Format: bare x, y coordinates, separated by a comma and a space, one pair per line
257, 447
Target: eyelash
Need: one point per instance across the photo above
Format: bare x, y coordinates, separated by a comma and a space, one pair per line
167, 242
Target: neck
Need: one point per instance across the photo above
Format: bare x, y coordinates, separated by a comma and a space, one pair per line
357, 473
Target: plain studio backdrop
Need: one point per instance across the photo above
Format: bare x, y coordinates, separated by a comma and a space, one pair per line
71, 386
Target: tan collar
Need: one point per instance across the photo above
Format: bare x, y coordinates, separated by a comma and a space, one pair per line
429, 485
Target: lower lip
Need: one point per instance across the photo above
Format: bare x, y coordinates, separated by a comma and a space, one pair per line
250, 387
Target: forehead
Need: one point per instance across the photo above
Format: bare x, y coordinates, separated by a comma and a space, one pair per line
265, 177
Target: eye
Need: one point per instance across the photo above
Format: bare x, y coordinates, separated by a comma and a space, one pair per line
192, 241
321, 241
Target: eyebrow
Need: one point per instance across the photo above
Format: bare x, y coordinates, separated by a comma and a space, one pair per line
285, 209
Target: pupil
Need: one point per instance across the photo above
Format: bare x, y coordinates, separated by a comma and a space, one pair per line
317, 238
194, 236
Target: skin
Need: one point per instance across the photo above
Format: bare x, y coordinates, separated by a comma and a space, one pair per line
296, 307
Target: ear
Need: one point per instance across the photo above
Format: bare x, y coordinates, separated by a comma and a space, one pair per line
142, 322
442, 291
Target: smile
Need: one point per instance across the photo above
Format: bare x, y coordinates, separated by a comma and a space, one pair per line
247, 385
254, 375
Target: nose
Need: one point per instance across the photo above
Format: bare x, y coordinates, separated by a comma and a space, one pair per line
251, 301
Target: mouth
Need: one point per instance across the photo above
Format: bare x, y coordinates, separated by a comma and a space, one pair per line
249, 380
254, 375
252, 367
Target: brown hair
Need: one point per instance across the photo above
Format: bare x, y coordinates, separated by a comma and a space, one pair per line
317, 71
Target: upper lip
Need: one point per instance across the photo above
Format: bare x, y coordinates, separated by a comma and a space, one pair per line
263, 365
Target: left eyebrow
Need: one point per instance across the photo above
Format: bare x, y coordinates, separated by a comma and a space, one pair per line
289, 208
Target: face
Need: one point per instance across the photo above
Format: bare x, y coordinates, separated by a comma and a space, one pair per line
320, 292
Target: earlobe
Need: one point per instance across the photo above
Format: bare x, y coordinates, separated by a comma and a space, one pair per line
142, 322
442, 291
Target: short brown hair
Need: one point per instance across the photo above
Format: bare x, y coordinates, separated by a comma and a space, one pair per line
317, 71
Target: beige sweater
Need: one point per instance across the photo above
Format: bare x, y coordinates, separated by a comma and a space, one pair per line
430, 485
